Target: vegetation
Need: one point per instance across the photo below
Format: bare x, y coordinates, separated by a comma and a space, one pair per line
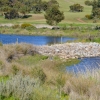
89, 3
54, 16
27, 75
36, 77
76, 8
95, 8
83, 32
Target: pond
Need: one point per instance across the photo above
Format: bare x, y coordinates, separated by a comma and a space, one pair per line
86, 64
36, 40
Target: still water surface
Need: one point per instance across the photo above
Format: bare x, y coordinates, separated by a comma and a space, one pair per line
36, 40
86, 64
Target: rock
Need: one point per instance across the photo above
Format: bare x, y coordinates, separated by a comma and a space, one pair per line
71, 50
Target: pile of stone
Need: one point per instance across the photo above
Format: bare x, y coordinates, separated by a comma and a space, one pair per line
71, 50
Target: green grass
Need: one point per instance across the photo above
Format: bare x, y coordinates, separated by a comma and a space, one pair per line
4, 78
31, 60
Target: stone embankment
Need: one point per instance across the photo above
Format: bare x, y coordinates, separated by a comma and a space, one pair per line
71, 50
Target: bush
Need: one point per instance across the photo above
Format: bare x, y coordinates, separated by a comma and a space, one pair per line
87, 2
1, 44
17, 88
15, 69
76, 8
89, 16
1, 65
26, 25
30, 28
38, 73
15, 26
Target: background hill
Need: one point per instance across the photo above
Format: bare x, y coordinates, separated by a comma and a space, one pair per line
74, 17
70, 17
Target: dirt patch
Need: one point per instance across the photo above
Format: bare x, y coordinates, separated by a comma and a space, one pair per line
80, 20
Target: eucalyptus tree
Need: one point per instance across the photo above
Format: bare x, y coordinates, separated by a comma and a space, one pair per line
53, 16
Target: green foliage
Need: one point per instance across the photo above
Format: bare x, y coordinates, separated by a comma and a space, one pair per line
13, 13
54, 15
31, 60
37, 72
15, 69
17, 88
1, 44
89, 16
25, 25
96, 12
1, 64
96, 9
87, 2
76, 8
15, 26
30, 28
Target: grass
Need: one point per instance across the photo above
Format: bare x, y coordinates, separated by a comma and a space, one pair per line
36, 77
31, 60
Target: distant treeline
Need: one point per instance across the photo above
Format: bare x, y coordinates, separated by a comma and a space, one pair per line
18, 8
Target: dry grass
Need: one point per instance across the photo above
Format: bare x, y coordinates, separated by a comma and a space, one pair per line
83, 87
29, 69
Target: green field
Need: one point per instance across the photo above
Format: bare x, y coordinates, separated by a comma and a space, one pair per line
70, 17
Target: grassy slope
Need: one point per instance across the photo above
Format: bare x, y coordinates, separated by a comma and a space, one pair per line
70, 17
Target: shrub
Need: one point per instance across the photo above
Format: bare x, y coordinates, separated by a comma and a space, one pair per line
87, 2
1, 65
15, 26
1, 44
38, 73
15, 69
76, 8
30, 28
25, 25
19, 87
89, 16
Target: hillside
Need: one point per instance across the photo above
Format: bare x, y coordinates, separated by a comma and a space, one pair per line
74, 17
70, 17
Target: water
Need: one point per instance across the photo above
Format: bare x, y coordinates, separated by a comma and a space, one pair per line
36, 40
85, 65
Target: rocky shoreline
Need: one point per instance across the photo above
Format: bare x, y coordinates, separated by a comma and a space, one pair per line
71, 50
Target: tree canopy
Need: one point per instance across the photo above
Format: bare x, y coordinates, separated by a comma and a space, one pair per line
95, 8
76, 8
12, 8
54, 15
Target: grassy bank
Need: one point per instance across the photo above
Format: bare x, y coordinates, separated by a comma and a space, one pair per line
21, 66
26, 75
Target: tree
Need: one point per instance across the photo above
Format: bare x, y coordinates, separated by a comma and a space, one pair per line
96, 9
76, 8
88, 3
11, 14
54, 16
98, 3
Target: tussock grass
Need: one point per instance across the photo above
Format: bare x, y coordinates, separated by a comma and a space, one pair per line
35, 77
